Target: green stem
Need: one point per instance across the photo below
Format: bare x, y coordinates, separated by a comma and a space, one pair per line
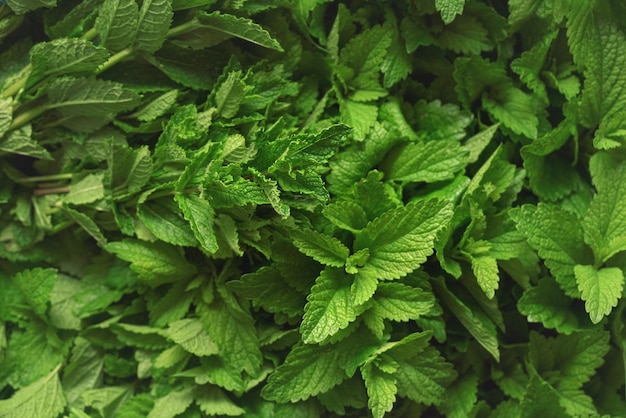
23, 119
115, 59
51, 190
47, 178
90, 34
17, 85
185, 27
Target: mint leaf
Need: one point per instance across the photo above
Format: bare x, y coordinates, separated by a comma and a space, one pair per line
87, 190
41, 399
449, 9
307, 371
546, 303
190, 335
213, 401
600, 289
401, 239
381, 389
604, 223
329, 308
117, 23
428, 162
172, 404
154, 262
36, 286
485, 269
322, 248
153, 22
361, 59
162, 218
239, 27
557, 236
346, 214
66, 56
200, 215
466, 35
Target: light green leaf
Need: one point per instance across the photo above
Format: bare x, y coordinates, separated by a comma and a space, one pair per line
233, 331
6, 115
117, 23
66, 56
539, 399
307, 371
153, 22
360, 116
172, 404
88, 190
36, 286
129, 169
239, 193
400, 302
397, 64
239, 27
460, 397
323, 248
41, 399
449, 9
346, 214
600, 289
82, 372
485, 269
477, 143
329, 308
365, 283
162, 217
153, 261
530, 65
200, 215
605, 221
381, 389
428, 162
401, 239
191, 335
424, 377
214, 402
557, 236
514, 109
546, 303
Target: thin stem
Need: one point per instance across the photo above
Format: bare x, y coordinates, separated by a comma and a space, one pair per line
180, 29
50, 177
52, 190
90, 34
115, 59
19, 84
24, 118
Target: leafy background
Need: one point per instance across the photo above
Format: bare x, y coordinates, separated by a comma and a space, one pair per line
312, 208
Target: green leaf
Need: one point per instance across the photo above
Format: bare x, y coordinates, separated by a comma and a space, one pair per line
36, 286
321, 247
117, 23
87, 190
381, 389
485, 269
129, 169
20, 142
239, 27
449, 9
397, 64
230, 94
85, 222
6, 115
200, 215
153, 22
558, 238
153, 261
172, 404
41, 399
307, 371
465, 35
600, 289
424, 377
477, 143
329, 308
399, 302
65, 56
360, 116
605, 223
213, 401
163, 218
428, 162
191, 335
473, 320
158, 107
460, 397
87, 104
546, 303
401, 239
539, 399
23, 6
233, 331
346, 215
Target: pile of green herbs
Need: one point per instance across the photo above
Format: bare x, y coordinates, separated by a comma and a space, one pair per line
308, 208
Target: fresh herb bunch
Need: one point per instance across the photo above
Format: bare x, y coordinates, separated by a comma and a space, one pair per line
308, 208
